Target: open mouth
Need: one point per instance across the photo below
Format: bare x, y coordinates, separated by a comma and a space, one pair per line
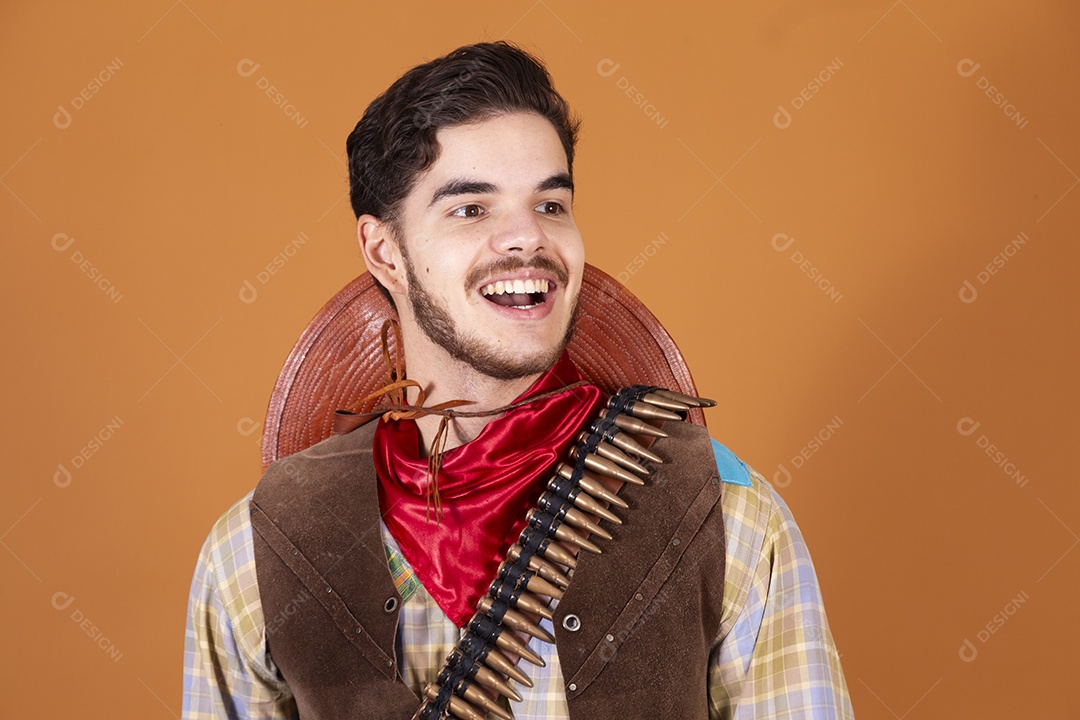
519, 294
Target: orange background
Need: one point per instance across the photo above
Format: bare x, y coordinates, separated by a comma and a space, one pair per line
179, 180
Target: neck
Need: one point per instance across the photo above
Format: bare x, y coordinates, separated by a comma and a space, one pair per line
445, 378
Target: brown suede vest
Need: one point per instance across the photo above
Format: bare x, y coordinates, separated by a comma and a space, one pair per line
649, 607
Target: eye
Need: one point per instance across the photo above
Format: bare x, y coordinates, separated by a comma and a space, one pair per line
468, 211
551, 207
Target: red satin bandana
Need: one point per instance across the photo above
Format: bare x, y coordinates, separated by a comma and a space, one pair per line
486, 486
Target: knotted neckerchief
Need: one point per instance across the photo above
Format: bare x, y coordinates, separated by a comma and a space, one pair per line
480, 490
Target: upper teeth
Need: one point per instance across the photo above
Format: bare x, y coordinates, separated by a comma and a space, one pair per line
516, 286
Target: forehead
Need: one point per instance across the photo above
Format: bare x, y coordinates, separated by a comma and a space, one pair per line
517, 148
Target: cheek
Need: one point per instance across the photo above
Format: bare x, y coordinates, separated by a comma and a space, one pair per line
574, 253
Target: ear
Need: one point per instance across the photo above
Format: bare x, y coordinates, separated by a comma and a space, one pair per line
381, 253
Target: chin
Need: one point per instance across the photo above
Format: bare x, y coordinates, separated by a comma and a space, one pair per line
508, 366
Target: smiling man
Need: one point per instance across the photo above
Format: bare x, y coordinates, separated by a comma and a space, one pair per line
483, 259
407, 569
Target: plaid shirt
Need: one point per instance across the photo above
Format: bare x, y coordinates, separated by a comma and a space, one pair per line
774, 656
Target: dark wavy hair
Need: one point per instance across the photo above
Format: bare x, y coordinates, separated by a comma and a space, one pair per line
394, 142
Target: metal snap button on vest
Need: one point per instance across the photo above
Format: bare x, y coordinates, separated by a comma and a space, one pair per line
609, 637
676, 541
639, 596
573, 624
573, 687
390, 605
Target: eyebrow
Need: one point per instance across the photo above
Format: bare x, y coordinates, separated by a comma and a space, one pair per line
466, 186
559, 181
461, 186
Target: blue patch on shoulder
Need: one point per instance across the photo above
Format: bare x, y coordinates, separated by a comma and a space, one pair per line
732, 470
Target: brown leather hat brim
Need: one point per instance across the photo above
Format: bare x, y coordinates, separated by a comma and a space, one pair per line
338, 360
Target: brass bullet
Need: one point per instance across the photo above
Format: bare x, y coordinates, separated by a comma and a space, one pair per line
532, 604
555, 551
560, 508
540, 566
478, 697
592, 486
638, 427
459, 707
586, 502
548, 548
564, 533
596, 488
561, 484
535, 583
513, 619
679, 397
690, 400
578, 519
489, 679
554, 504
666, 403
607, 468
627, 443
640, 409
576, 494
497, 661
540, 586
609, 451
507, 641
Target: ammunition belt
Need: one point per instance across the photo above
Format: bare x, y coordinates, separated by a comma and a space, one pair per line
531, 567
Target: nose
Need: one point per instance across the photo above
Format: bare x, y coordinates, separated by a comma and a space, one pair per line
520, 233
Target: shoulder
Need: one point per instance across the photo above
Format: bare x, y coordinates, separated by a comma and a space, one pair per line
760, 529
754, 511
335, 449
230, 559
748, 501
774, 648
228, 545
328, 463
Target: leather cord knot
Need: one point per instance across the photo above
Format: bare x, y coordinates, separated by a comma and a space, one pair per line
398, 408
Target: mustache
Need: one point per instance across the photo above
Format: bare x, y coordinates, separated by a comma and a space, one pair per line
511, 263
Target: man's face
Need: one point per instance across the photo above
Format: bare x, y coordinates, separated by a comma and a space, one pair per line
493, 258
